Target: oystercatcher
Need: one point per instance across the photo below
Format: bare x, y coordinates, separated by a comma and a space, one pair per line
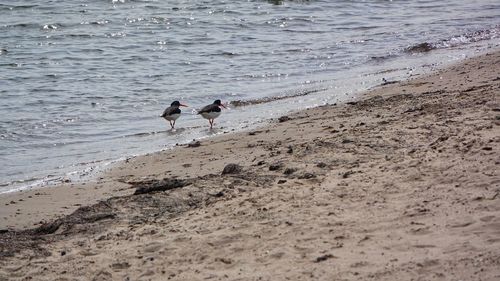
211, 111
172, 112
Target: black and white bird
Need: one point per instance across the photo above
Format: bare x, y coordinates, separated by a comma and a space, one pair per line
211, 111
172, 112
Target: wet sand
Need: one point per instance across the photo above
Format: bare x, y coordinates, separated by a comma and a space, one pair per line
401, 184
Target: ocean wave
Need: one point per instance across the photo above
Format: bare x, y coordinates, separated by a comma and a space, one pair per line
378, 59
455, 41
17, 7
237, 103
22, 25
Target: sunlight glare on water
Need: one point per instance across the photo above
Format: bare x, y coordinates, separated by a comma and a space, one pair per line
83, 82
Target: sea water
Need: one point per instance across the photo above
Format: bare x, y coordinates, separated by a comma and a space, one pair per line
83, 83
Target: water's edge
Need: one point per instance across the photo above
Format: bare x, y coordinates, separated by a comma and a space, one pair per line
92, 171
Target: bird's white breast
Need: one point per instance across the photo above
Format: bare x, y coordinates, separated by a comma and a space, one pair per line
210, 115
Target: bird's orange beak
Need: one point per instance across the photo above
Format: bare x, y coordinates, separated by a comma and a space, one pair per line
223, 106
183, 105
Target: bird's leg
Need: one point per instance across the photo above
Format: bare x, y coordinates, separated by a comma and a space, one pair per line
173, 124
211, 123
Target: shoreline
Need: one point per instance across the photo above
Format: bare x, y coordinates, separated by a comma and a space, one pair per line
400, 183
70, 200
413, 69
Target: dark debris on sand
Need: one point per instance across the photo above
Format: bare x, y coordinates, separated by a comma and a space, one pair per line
232, 169
162, 185
152, 200
194, 144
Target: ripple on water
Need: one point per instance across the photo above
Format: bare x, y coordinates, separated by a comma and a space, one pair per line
99, 74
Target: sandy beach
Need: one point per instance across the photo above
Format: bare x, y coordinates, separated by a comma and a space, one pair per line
400, 184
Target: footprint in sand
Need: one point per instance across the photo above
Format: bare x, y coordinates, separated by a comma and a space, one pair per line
103, 276
153, 247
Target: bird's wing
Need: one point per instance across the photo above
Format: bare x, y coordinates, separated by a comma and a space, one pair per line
171, 110
208, 108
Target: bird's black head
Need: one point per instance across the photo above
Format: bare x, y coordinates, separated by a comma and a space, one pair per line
175, 103
218, 102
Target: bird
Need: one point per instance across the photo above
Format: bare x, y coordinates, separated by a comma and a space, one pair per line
172, 112
211, 111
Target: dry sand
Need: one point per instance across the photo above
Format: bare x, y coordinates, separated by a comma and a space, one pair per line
402, 184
